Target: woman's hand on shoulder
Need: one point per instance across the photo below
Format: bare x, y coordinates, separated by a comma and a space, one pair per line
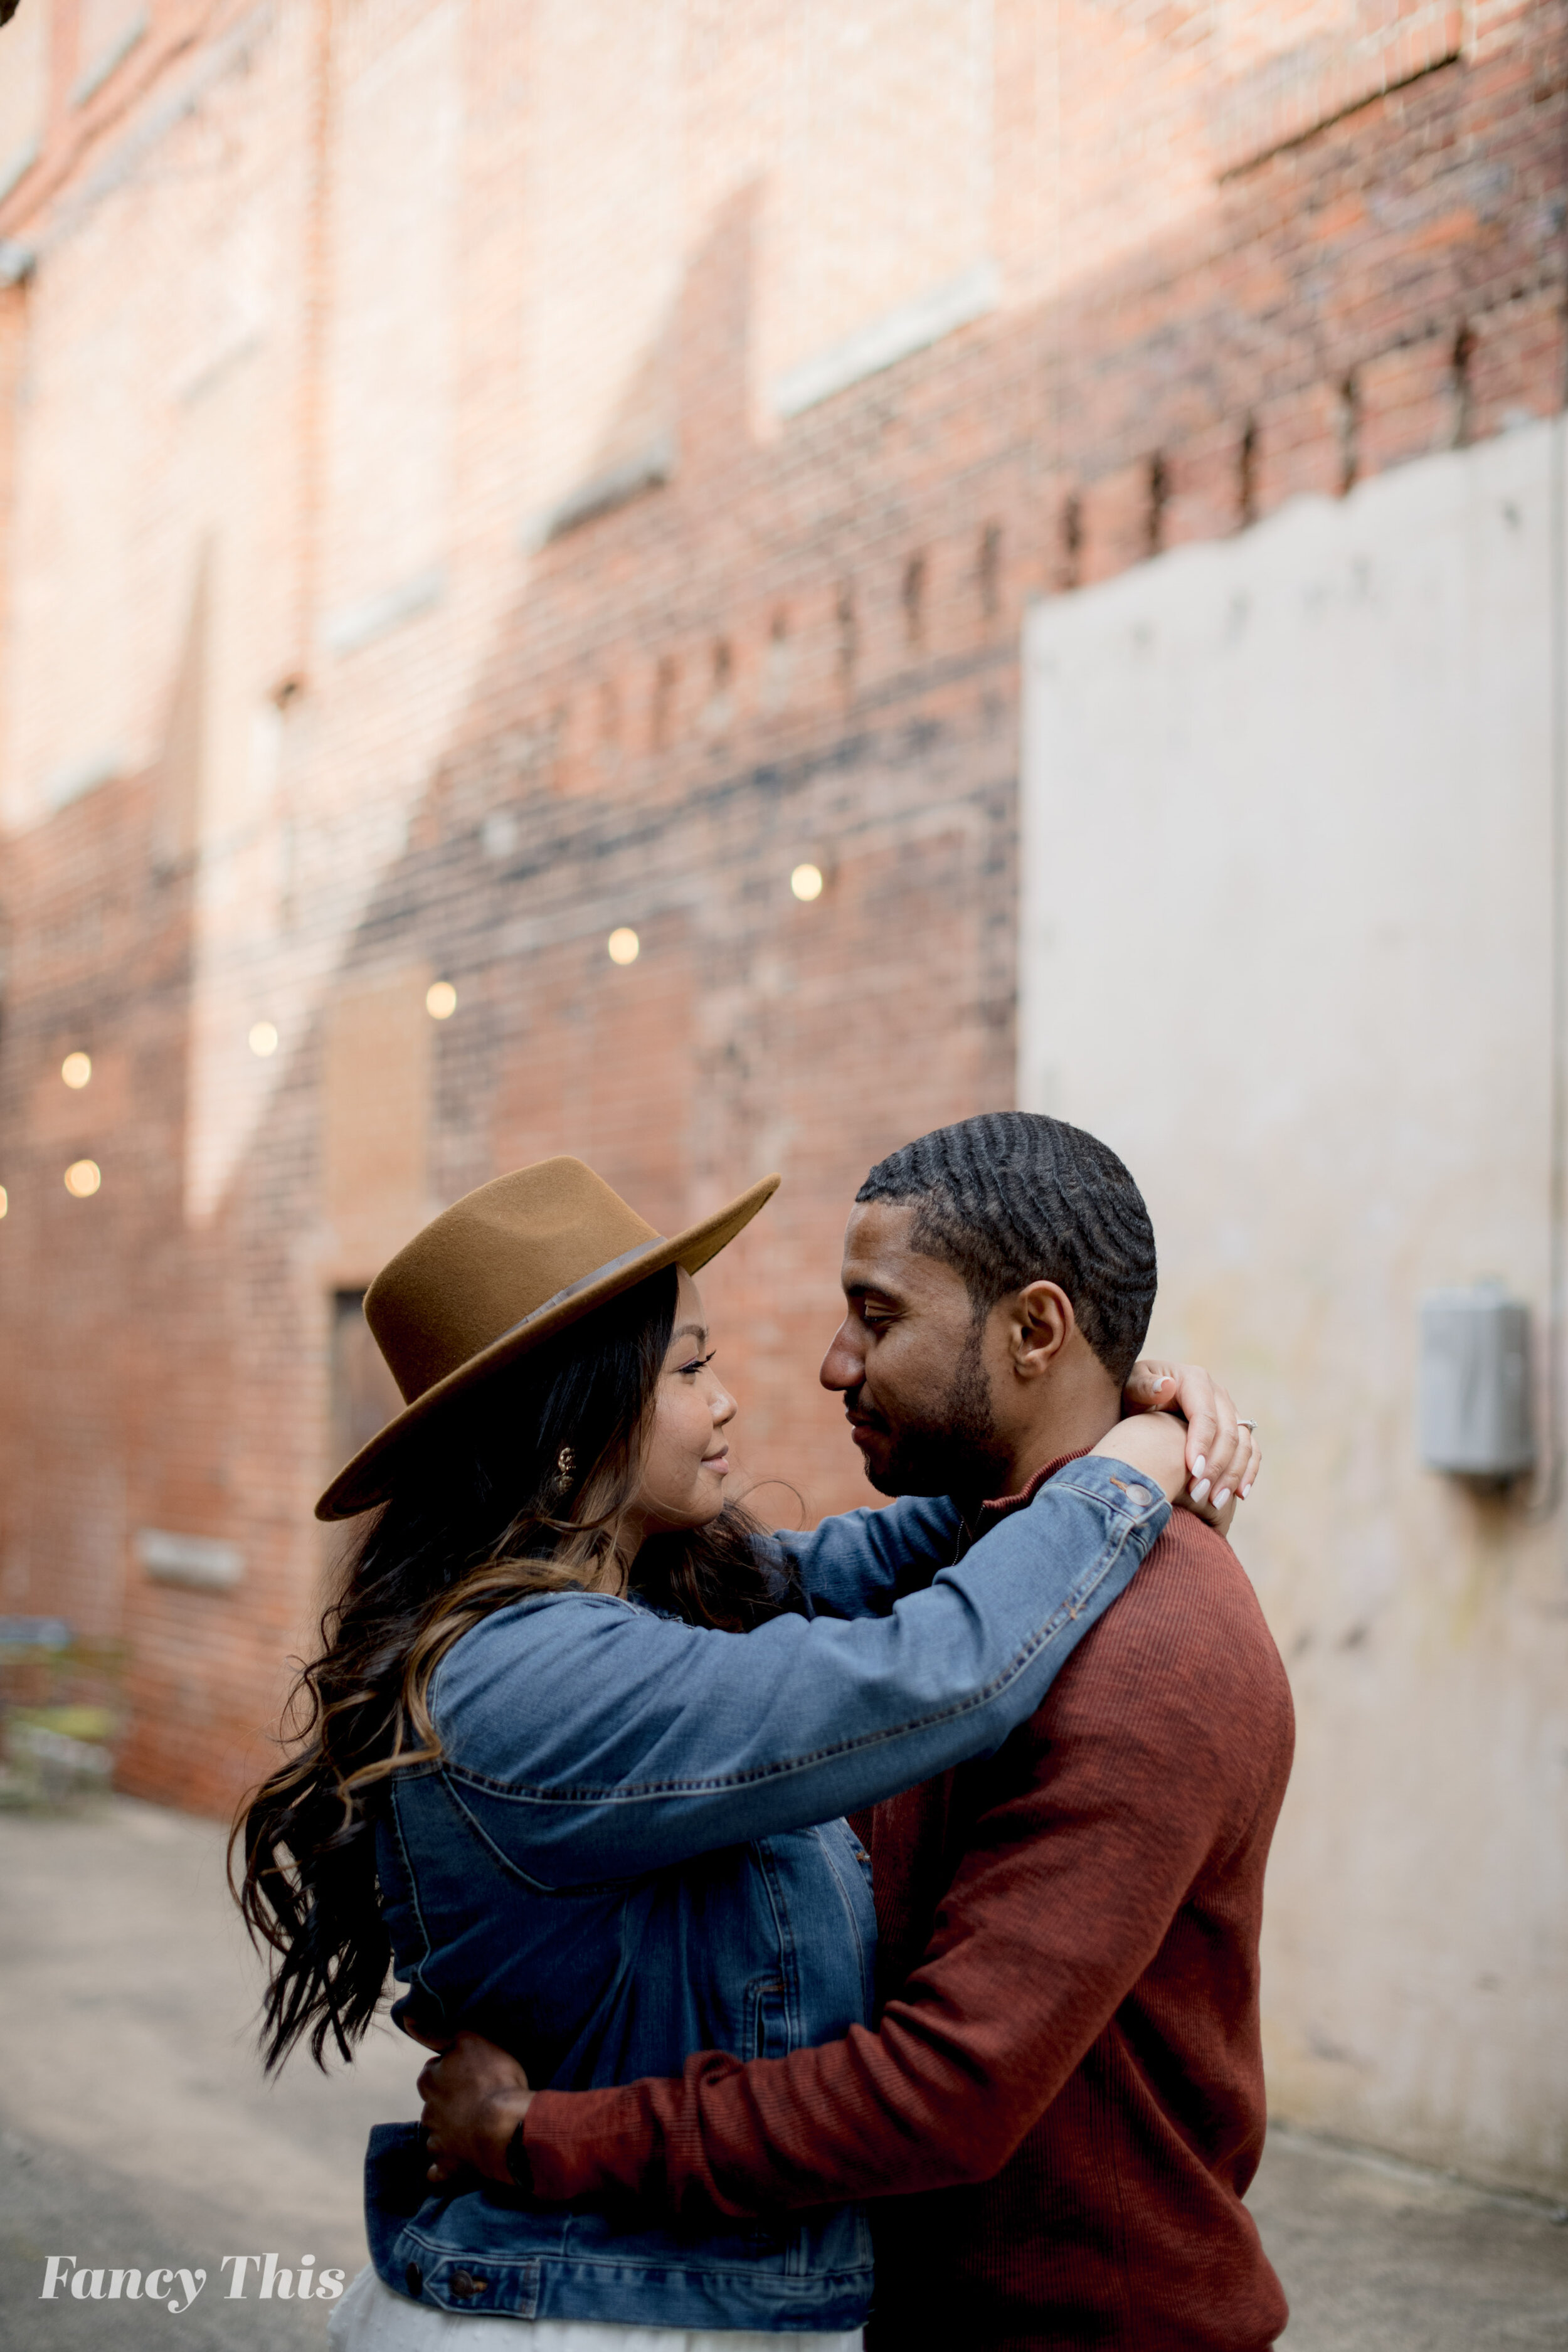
1220, 1454
475, 2096
1154, 1446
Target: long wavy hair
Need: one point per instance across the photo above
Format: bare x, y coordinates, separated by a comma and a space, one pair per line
521, 1489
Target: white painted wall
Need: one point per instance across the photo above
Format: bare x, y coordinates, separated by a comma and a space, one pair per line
1285, 944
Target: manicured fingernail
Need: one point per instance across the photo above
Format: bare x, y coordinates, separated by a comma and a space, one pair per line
1245, 1492
1200, 1492
1163, 1384
1222, 1498
1198, 1465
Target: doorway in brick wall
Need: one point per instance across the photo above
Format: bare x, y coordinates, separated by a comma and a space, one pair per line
364, 1394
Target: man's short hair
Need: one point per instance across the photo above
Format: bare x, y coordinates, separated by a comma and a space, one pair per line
1011, 1198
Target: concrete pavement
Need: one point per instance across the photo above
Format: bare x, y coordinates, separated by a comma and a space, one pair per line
138, 2128
135, 2130
1381, 2256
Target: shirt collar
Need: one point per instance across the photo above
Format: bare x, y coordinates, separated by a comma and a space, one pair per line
1002, 1506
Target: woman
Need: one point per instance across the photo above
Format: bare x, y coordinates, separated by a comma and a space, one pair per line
577, 1746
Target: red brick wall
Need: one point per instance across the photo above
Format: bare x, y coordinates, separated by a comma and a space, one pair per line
1220, 288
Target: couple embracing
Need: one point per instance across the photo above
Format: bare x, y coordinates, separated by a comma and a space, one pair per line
978, 2063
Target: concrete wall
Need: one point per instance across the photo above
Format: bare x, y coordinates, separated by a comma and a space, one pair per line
1286, 944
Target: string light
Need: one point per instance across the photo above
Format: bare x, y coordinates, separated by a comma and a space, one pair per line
806, 882
76, 1070
440, 999
624, 946
263, 1039
82, 1179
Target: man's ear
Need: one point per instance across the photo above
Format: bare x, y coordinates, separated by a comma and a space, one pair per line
1040, 1322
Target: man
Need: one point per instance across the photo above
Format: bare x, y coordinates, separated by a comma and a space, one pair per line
1061, 2108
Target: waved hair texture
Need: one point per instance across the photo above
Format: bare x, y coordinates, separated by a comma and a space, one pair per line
1011, 1198
521, 1492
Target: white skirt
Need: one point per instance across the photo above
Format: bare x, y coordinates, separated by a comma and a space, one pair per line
371, 2319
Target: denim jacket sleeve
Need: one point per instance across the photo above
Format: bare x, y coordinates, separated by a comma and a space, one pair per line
601, 1740
858, 1564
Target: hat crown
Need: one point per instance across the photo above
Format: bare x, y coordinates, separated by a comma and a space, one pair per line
493, 1260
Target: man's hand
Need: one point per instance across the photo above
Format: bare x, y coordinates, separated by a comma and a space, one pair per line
1223, 1454
475, 2097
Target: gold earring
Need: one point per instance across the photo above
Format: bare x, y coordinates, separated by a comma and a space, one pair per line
565, 1463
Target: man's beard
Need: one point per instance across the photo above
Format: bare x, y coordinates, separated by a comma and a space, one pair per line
956, 1452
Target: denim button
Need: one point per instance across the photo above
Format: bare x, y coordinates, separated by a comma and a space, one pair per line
1139, 1494
415, 2278
464, 2284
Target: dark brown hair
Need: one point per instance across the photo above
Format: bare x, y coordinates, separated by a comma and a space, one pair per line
520, 1491
1013, 1197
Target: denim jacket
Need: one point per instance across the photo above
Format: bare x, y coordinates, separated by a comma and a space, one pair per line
631, 1849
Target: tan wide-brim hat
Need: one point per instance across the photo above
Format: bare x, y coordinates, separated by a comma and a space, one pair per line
494, 1275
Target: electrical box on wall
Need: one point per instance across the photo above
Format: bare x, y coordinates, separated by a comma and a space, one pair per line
1475, 1383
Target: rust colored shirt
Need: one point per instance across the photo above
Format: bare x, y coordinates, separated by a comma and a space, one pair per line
1062, 2105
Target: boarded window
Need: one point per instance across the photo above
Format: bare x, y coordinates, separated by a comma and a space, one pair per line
364, 1394
392, 343
607, 205
1282, 71
375, 1114
877, 248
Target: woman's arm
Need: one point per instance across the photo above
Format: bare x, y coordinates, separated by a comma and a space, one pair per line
859, 1563
591, 1739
